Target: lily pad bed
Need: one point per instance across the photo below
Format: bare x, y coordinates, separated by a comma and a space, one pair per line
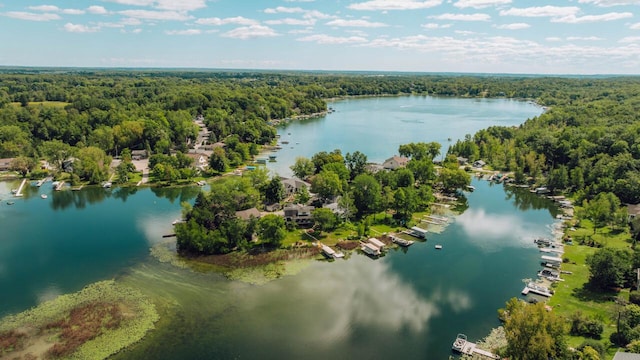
94, 323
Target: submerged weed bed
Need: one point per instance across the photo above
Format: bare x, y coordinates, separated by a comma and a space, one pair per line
94, 323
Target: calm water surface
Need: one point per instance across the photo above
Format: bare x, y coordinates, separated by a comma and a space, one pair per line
377, 126
407, 304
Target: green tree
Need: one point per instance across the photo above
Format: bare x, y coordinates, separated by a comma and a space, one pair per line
532, 332
356, 163
56, 152
453, 179
271, 229
367, 194
22, 164
325, 219
405, 204
609, 268
218, 160
303, 168
302, 195
274, 191
326, 184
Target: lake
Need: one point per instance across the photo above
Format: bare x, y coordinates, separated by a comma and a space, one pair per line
408, 304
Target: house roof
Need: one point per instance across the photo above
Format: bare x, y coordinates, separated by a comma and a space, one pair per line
399, 159
248, 214
294, 183
6, 160
626, 356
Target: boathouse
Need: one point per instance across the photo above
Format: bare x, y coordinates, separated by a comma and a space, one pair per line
377, 243
5, 164
370, 249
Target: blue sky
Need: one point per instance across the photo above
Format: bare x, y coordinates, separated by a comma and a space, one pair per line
489, 36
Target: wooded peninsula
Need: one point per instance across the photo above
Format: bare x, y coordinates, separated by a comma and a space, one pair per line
89, 127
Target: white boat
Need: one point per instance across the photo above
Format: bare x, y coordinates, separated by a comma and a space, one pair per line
44, 196
401, 241
438, 246
106, 185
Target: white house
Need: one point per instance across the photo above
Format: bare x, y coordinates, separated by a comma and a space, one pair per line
395, 162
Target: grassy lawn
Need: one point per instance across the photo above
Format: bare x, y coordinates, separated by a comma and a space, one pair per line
571, 295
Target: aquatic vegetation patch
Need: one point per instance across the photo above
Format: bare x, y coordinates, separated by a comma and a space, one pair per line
94, 323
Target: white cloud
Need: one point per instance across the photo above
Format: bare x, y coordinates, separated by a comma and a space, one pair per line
355, 23
315, 14
583, 38
238, 20
284, 9
55, 9
394, 5
553, 38
435, 26
514, 26
95, 9
73, 11
630, 39
252, 31
184, 32
465, 32
327, 39
22, 15
572, 19
606, 3
290, 21
45, 8
171, 5
303, 1
79, 28
635, 26
479, 4
541, 11
130, 22
155, 15
462, 17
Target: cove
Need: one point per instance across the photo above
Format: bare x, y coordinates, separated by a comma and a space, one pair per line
404, 305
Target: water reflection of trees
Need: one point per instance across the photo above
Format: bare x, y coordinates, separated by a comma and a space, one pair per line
184, 193
61, 200
523, 199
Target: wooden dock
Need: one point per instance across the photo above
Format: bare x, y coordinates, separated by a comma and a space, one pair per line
59, 186
19, 192
463, 346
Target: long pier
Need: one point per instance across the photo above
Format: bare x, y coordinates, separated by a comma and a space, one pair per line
19, 192
59, 186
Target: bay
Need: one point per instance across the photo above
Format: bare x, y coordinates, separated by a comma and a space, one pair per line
407, 304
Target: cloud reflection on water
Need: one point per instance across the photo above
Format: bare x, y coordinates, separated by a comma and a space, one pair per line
492, 232
155, 226
359, 293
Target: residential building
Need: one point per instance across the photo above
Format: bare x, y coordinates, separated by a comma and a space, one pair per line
395, 162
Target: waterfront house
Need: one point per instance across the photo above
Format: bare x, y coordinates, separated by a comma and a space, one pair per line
248, 214
5, 164
298, 214
200, 160
335, 208
293, 185
395, 162
479, 164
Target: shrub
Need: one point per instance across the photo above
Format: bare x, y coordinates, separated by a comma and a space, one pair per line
594, 344
634, 298
582, 325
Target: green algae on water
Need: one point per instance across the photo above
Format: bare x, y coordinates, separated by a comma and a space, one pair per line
139, 316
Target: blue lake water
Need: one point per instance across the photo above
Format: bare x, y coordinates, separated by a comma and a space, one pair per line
407, 304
